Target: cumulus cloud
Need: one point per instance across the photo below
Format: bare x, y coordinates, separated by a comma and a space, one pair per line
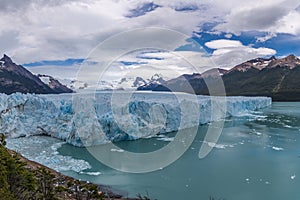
289, 23
268, 36
35, 30
229, 53
69, 72
265, 16
59, 29
169, 64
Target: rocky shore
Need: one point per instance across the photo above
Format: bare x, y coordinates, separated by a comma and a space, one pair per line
26, 179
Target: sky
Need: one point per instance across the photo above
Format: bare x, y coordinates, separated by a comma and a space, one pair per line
61, 37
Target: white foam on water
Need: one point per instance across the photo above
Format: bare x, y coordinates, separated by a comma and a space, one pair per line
91, 173
117, 150
165, 139
254, 115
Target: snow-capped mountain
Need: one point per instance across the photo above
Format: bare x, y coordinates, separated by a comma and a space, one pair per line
74, 84
138, 82
290, 62
258, 63
274, 77
126, 83
134, 83
78, 85
15, 78
54, 84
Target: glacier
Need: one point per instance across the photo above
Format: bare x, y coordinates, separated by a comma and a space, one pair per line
86, 119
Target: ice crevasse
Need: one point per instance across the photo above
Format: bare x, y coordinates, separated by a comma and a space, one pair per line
98, 118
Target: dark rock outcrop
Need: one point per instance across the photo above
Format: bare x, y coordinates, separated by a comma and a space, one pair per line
15, 78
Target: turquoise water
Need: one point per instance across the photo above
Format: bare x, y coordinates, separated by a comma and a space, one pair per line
257, 157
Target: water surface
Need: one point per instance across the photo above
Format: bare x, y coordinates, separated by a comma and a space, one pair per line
257, 157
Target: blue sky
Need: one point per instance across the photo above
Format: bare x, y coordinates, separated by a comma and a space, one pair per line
57, 36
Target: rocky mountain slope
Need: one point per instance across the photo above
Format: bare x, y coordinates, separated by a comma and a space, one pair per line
276, 78
15, 78
54, 84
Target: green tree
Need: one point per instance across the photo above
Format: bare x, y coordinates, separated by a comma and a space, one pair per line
4, 187
45, 184
2, 139
16, 181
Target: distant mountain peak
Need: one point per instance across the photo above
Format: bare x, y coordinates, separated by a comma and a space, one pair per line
215, 72
138, 82
291, 56
15, 78
6, 59
290, 61
54, 84
257, 63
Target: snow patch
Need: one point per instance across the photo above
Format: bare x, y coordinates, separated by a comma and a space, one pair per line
45, 79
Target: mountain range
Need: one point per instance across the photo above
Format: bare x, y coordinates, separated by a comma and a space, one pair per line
15, 78
136, 82
276, 78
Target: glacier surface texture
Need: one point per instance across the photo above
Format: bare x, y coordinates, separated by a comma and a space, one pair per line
98, 118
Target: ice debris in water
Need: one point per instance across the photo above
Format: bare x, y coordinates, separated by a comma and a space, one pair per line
91, 173
293, 176
117, 150
30, 147
277, 148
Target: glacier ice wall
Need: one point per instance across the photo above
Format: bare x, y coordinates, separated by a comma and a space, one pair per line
91, 119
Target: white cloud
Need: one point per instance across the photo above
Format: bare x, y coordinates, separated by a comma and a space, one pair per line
261, 51
146, 64
218, 44
64, 29
289, 24
270, 35
257, 15
35, 30
61, 72
229, 53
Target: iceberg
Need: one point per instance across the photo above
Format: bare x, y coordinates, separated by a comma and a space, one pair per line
87, 119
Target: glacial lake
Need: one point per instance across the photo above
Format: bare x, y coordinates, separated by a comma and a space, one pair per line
257, 157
